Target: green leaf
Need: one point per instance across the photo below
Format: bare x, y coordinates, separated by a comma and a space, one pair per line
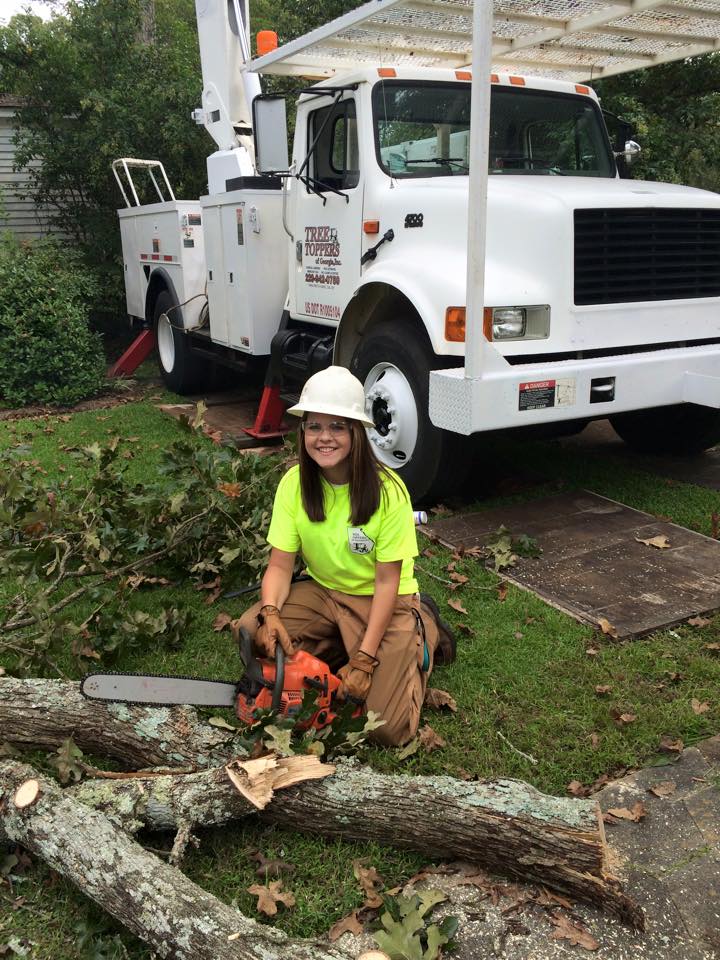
221, 723
278, 740
400, 940
67, 761
228, 554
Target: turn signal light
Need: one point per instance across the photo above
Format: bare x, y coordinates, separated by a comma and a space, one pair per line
463, 75
488, 323
371, 226
579, 88
455, 324
267, 41
517, 81
387, 72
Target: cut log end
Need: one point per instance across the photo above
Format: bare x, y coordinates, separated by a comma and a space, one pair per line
27, 794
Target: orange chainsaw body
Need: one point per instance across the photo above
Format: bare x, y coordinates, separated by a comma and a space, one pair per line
302, 672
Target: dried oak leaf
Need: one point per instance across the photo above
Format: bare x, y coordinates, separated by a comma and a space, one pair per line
465, 629
671, 746
231, 490
573, 931
699, 708
459, 578
635, 814
712, 647
594, 740
699, 621
577, 789
221, 621
429, 740
502, 589
607, 628
269, 865
592, 651
348, 924
602, 689
270, 896
457, 605
546, 898
439, 699
665, 788
660, 542
371, 883
623, 719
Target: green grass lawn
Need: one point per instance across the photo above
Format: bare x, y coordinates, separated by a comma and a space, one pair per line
524, 673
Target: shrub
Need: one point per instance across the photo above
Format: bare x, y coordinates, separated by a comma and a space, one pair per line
48, 354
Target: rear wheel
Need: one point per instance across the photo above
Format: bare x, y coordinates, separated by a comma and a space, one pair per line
683, 430
393, 363
181, 370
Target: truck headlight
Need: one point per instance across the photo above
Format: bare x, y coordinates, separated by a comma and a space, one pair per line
517, 323
509, 323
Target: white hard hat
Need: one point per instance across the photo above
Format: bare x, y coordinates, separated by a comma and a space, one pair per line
336, 392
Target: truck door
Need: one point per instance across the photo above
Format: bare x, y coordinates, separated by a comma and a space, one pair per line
328, 214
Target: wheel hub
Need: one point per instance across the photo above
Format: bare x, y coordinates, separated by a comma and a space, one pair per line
392, 408
165, 343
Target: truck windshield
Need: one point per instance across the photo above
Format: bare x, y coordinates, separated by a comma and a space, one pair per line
422, 130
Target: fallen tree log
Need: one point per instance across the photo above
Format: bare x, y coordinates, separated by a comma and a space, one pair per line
503, 825
40, 714
153, 900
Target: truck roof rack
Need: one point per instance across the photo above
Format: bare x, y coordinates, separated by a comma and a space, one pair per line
565, 39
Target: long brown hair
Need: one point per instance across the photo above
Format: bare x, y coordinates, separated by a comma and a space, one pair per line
365, 479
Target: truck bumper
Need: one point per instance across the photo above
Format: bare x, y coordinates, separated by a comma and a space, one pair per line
523, 395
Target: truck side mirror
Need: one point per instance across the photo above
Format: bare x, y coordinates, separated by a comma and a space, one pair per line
625, 149
270, 133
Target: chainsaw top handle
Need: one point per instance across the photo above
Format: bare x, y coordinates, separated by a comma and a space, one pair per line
254, 670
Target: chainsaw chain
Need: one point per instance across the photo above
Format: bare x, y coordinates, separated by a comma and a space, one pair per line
155, 676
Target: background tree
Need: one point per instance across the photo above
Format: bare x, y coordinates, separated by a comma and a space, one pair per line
676, 112
104, 80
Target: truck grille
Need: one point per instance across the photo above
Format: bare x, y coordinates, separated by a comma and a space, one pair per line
625, 255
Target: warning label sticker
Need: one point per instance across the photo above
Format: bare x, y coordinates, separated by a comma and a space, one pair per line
539, 394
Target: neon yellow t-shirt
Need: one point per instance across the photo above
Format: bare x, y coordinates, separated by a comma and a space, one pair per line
337, 554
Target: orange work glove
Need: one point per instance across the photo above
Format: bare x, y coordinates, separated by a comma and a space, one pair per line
357, 676
271, 631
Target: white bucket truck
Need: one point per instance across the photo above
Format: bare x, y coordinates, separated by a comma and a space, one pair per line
474, 275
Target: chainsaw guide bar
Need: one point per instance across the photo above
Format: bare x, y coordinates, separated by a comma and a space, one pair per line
154, 691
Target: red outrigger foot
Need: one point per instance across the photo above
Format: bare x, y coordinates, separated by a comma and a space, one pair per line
138, 351
268, 422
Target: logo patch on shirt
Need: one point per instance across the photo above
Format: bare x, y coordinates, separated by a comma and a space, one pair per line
358, 541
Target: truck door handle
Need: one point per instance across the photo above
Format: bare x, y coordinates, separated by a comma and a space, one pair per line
371, 253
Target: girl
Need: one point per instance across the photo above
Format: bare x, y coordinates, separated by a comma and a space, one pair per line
351, 520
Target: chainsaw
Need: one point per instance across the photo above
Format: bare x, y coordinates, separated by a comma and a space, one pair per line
278, 685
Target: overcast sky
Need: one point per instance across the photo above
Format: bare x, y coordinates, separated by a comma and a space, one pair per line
10, 7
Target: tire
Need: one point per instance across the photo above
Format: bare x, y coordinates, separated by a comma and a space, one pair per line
393, 363
684, 430
181, 370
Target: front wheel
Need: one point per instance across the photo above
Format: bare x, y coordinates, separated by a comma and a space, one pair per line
683, 430
182, 371
393, 363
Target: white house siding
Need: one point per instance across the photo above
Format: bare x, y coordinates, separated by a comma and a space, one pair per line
22, 217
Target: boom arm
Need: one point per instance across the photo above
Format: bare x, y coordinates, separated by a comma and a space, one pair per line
228, 91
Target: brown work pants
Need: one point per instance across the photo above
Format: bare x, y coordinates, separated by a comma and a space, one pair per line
331, 626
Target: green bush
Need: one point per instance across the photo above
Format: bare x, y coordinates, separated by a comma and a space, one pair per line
48, 354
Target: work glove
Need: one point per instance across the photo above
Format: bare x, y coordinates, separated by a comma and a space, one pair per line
271, 631
356, 677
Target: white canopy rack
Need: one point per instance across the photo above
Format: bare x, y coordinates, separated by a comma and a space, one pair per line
566, 39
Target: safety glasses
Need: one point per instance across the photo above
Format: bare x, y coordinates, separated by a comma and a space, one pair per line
336, 428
